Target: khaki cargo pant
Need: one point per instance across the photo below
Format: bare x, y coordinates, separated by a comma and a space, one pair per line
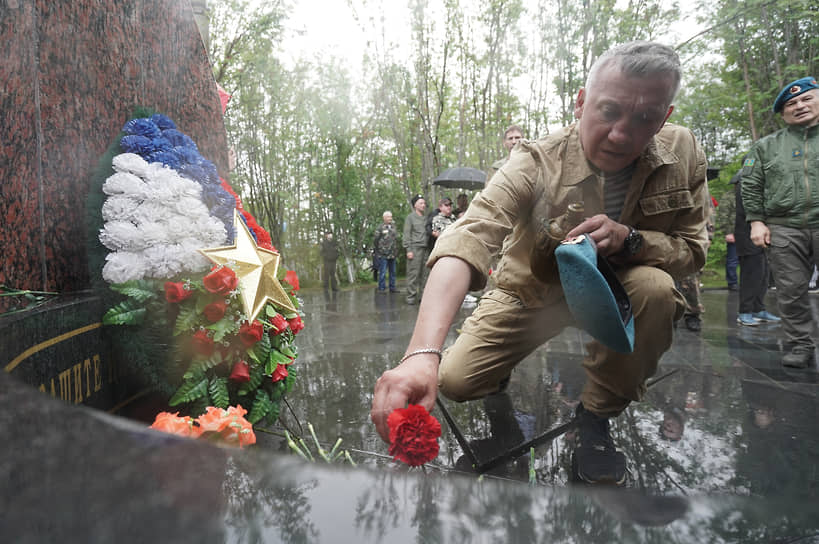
501, 332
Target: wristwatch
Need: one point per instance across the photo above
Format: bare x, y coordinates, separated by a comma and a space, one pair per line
632, 243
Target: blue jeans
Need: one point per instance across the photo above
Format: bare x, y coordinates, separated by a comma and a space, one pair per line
731, 262
383, 263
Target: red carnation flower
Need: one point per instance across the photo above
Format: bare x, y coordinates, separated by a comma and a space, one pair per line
292, 279
240, 372
280, 373
215, 311
203, 344
251, 333
279, 325
221, 280
176, 292
414, 435
296, 324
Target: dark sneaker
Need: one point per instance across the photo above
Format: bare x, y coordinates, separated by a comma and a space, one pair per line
596, 460
799, 358
693, 323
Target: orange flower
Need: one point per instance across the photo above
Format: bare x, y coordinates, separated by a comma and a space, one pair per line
228, 426
173, 424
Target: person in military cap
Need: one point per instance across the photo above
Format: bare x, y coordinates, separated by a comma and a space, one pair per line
780, 192
633, 185
415, 243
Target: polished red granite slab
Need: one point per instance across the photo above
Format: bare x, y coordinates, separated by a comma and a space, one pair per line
72, 74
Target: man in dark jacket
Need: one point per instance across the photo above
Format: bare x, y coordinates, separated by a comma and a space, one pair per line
753, 263
780, 192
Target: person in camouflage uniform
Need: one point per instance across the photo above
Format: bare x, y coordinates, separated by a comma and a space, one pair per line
440, 221
385, 248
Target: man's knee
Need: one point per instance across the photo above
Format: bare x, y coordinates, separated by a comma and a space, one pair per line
652, 292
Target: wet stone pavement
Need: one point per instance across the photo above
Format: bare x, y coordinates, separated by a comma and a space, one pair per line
721, 416
724, 448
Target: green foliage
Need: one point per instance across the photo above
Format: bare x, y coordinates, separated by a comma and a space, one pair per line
127, 312
262, 405
193, 388
139, 290
218, 390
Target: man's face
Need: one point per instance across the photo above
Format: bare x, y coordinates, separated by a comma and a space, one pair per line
388, 218
802, 110
420, 205
619, 115
512, 137
446, 207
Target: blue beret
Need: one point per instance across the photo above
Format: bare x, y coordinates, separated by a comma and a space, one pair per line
794, 88
596, 298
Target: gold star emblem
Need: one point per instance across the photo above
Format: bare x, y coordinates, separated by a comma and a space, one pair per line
256, 269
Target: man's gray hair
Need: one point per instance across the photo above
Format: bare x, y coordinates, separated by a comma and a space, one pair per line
640, 59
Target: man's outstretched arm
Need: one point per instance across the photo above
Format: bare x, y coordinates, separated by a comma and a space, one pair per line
415, 381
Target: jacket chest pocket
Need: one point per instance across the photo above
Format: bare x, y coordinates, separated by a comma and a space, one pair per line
666, 202
783, 186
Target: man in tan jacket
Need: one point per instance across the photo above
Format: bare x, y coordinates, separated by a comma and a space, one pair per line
641, 184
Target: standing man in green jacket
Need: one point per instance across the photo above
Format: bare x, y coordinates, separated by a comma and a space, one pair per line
780, 191
415, 243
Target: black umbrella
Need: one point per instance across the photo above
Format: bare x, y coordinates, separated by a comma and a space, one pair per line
461, 177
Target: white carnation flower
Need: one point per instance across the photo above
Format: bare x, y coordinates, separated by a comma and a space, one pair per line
124, 266
119, 207
121, 235
130, 162
124, 183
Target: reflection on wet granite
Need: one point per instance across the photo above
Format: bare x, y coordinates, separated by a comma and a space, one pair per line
720, 451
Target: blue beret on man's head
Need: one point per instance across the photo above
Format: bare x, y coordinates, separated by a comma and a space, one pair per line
794, 88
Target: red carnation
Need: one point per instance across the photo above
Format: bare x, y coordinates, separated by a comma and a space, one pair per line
279, 325
414, 435
176, 292
281, 373
202, 343
292, 279
215, 311
221, 280
240, 372
296, 324
251, 333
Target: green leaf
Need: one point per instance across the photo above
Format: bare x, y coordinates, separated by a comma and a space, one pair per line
290, 380
261, 407
222, 328
140, 290
271, 416
186, 320
288, 351
270, 310
275, 358
218, 390
260, 351
201, 366
127, 312
190, 391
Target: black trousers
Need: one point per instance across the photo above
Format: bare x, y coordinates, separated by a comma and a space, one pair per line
753, 283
